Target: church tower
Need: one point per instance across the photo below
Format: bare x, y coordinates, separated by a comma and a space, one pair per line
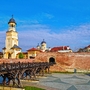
11, 43
43, 46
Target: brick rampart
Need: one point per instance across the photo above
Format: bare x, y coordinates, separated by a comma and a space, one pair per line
71, 62
16, 60
67, 61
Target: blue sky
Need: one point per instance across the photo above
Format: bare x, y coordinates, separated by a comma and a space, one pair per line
58, 22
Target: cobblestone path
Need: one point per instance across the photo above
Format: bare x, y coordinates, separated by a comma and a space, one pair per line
58, 81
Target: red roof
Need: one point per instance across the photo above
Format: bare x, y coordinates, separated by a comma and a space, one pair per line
33, 49
88, 46
59, 48
24, 52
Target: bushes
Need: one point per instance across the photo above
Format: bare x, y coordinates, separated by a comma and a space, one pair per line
21, 56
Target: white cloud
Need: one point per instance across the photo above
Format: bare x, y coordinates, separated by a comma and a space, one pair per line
31, 35
75, 38
35, 19
49, 16
32, 27
27, 21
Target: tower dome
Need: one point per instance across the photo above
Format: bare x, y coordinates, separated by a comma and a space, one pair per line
43, 45
12, 20
43, 42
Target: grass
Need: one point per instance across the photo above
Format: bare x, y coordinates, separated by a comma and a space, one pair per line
87, 73
32, 88
63, 72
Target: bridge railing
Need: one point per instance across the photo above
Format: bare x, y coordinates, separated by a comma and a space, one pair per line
13, 66
17, 71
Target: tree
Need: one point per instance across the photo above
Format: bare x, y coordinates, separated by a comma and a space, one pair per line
21, 56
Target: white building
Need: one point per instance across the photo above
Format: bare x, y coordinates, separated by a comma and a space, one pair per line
11, 43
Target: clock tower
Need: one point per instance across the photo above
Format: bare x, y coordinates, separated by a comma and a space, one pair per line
11, 43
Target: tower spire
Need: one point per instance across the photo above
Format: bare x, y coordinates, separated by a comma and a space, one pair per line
12, 15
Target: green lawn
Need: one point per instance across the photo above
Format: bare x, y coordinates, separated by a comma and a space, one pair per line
32, 88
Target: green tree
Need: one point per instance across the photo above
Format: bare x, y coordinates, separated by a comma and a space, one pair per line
21, 56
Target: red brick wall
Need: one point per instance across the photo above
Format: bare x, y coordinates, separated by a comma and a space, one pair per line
63, 61
15, 60
66, 60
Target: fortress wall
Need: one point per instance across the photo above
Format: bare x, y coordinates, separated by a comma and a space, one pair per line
71, 62
16, 60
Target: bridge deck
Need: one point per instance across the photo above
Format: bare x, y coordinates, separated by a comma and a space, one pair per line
20, 70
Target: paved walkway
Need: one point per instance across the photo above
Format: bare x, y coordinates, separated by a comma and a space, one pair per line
57, 81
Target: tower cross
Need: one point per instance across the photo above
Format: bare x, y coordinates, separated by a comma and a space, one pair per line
12, 15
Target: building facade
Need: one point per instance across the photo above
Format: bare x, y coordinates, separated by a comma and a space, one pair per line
42, 46
32, 53
11, 43
85, 49
62, 49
